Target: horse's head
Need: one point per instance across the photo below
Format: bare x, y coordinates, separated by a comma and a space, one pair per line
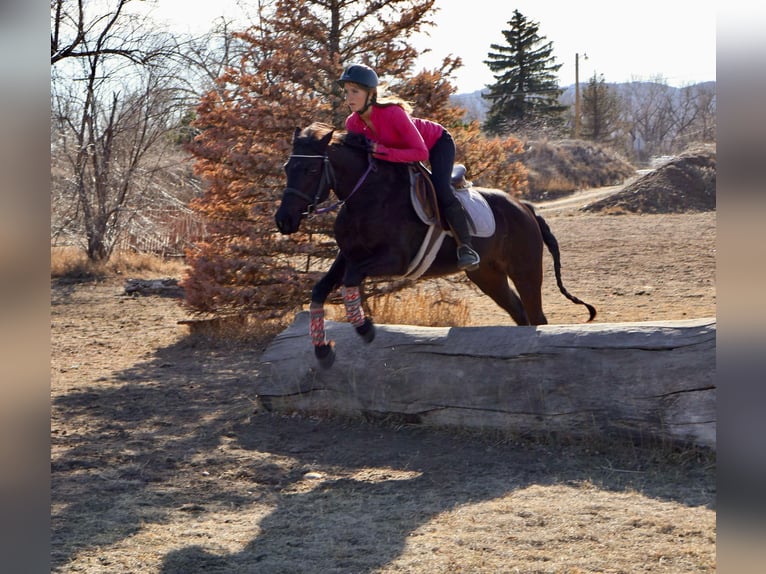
309, 176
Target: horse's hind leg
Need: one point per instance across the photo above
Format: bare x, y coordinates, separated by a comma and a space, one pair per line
530, 294
494, 283
527, 276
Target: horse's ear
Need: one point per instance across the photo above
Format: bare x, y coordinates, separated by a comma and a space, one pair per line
296, 134
325, 141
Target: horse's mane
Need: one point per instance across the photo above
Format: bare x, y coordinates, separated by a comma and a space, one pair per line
318, 130
352, 139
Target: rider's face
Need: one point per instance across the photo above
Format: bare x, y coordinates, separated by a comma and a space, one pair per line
356, 96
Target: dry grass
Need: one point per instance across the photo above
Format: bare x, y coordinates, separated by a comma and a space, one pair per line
554, 184
236, 329
414, 306
72, 263
428, 304
561, 167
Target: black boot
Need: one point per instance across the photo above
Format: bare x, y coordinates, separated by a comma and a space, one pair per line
467, 258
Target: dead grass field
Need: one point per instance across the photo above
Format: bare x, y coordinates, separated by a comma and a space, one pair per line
163, 461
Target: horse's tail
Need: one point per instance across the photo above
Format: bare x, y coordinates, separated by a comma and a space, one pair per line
553, 246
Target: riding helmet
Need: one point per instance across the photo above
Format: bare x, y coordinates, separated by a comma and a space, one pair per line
360, 74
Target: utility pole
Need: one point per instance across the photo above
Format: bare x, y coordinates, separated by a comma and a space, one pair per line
577, 96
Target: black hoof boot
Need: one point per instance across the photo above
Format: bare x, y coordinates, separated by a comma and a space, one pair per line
366, 330
325, 354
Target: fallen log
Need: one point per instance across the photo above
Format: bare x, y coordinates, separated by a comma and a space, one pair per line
653, 380
167, 287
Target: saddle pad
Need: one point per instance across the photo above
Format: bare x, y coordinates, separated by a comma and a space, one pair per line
481, 220
480, 216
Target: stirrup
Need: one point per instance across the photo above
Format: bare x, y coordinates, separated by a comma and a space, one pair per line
467, 258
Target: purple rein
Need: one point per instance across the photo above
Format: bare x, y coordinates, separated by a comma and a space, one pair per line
337, 204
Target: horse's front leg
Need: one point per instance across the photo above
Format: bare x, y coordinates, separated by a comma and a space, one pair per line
380, 262
352, 300
324, 350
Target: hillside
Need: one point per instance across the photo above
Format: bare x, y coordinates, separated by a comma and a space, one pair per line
563, 167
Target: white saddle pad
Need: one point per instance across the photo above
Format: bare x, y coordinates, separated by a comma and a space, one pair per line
481, 220
480, 216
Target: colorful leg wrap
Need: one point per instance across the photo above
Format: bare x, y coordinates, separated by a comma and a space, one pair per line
317, 326
352, 299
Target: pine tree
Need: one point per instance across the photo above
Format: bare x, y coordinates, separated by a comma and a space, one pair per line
600, 110
525, 95
491, 162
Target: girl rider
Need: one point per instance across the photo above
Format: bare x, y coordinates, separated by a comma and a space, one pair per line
399, 137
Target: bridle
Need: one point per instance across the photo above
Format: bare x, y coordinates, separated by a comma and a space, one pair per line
324, 185
326, 182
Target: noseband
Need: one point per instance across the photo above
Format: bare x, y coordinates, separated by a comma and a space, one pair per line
326, 183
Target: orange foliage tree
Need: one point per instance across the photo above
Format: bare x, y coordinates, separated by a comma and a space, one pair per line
286, 79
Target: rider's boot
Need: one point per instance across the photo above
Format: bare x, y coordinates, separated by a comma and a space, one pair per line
467, 258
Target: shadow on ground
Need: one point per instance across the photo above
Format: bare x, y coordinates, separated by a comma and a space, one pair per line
140, 441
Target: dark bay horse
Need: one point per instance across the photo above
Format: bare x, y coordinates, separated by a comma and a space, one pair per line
378, 232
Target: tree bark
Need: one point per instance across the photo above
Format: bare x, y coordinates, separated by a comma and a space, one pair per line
647, 380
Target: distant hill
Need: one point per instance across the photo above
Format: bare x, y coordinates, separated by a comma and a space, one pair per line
476, 107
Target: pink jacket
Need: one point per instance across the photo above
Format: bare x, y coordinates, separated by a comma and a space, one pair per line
400, 137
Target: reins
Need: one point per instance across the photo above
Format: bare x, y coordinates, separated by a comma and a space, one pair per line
328, 174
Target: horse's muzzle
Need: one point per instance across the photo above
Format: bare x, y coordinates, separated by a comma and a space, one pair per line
286, 223
282, 225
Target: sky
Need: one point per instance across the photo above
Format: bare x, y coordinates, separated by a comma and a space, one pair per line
640, 40
623, 41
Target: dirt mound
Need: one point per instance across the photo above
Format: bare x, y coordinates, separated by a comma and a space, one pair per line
686, 184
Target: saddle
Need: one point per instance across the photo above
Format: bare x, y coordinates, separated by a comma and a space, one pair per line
424, 194
481, 220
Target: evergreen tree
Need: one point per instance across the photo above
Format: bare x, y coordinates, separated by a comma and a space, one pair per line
600, 110
525, 95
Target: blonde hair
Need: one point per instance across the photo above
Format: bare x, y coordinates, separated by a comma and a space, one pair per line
381, 98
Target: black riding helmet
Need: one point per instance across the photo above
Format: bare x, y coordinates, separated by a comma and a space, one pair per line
363, 76
360, 74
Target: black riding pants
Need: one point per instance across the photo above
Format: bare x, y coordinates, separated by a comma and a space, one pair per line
442, 159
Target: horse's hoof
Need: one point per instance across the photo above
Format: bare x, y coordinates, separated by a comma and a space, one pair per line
366, 330
325, 354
